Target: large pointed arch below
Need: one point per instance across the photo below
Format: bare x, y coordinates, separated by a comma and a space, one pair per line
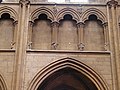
67, 63
2, 84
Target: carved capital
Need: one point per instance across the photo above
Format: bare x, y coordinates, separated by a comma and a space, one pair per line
112, 3
24, 2
55, 9
29, 45
55, 24
80, 24
119, 24
31, 23
15, 23
54, 45
81, 46
80, 10
13, 45
105, 24
106, 46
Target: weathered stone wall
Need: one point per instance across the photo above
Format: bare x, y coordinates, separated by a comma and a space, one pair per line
36, 61
6, 67
6, 35
39, 36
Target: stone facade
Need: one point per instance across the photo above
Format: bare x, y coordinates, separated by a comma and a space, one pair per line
40, 39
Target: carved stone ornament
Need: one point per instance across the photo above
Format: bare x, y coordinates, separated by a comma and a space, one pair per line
81, 46
29, 45
106, 46
55, 24
24, 2
105, 24
80, 10
54, 45
80, 24
112, 3
13, 45
55, 9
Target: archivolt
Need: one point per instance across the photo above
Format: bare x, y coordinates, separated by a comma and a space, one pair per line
9, 10
68, 63
65, 11
42, 10
2, 83
100, 15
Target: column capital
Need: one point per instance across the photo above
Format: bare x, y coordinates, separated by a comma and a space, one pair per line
55, 10
15, 23
54, 45
80, 24
55, 23
31, 23
24, 2
81, 46
105, 24
112, 3
119, 24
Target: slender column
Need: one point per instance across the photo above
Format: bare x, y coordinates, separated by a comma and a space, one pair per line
80, 27
13, 43
106, 44
30, 32
114, 43
55, 26
21, 44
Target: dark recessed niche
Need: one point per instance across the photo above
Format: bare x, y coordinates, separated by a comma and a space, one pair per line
42, 17
67, 79
92, 17
67, 17
5, 16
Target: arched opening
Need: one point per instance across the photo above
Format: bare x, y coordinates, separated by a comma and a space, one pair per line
67, 79
2, 84
62, 73
6, 31
93, 34
41, 35
67, 33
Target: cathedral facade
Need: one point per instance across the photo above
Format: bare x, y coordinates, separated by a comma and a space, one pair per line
63, 45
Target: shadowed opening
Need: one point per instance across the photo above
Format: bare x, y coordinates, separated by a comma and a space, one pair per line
5, 16
42, 17
67, 79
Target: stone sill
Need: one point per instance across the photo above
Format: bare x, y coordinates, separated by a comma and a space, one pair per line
67, 3
68, 51
53, 3
7, 50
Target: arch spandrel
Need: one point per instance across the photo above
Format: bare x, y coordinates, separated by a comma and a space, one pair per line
42, 10
9, 10
2, 83
93, 11
60, 15
68, 63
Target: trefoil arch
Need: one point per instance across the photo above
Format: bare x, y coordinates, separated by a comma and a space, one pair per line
42, 10
60, 15
10, 11
93, 11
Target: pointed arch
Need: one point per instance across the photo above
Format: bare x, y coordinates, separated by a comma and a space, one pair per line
42, 10
68, 63
9, 10
70, 11
93, 11
2, 83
